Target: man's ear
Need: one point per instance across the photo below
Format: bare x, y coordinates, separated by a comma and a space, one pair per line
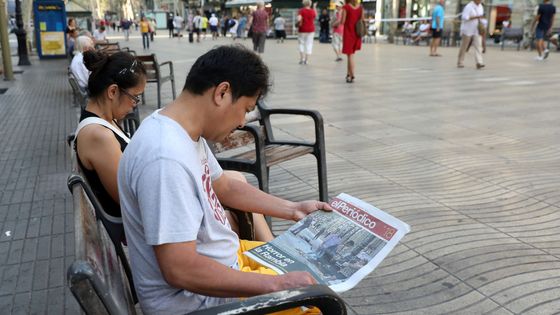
222, 93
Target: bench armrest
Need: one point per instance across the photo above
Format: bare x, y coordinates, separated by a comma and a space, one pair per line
170, 63
319, 296
315, 115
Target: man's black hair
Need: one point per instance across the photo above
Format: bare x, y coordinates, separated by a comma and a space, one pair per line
241, 68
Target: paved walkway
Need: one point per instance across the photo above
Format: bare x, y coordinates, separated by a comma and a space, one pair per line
470, 159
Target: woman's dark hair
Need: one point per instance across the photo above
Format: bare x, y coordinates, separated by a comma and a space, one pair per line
241, 68
120, 68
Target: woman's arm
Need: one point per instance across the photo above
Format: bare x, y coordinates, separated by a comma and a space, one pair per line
100, 151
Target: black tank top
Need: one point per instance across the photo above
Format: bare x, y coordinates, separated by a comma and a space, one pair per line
107, 202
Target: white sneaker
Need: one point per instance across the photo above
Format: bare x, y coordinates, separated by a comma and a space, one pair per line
539, 58
546, 52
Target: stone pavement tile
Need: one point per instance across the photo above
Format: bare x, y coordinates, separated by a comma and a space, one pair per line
21, 303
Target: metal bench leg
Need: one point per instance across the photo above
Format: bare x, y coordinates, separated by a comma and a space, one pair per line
173, 87
158, 95
322, 174
262, 177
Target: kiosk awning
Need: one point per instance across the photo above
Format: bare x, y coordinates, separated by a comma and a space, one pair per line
238, 3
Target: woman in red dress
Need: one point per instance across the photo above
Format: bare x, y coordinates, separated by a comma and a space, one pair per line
352, 12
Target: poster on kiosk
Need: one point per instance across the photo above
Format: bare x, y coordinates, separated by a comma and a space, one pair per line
50, 25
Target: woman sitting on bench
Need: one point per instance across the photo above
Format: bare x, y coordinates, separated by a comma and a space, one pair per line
115, 86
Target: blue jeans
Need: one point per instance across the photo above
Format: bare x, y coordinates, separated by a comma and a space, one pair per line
146, 40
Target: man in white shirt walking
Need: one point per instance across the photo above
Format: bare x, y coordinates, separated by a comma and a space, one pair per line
470, 19
178, 25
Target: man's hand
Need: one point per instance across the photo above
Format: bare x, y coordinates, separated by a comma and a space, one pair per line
304, 208
292, 280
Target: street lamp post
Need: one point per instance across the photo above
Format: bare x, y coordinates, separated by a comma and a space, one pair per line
21, 37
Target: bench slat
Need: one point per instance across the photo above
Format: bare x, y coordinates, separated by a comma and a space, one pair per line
276, 154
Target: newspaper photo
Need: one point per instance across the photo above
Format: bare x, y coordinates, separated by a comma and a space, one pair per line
337, 248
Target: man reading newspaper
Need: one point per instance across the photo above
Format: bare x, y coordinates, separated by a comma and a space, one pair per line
183, 254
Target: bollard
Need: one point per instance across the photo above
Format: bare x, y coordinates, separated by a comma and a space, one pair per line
6, 55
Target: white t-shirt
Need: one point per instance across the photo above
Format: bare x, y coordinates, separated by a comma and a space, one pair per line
99, 36
279, 23
197, 22
424, 27
79, 70
213, 21
470, 27
166, 195
178, 22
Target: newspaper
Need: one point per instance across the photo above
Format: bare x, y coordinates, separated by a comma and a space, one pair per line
338, 248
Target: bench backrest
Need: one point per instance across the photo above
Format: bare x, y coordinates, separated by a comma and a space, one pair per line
512, 32
108, 46
238, 138
151, 65
112, 225
80, 95
96, 278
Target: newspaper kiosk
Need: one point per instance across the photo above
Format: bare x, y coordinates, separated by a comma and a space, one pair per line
50, 23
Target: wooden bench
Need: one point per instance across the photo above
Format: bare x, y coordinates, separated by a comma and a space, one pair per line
79, 95
511, 33
96, 278
266, 151
155, 75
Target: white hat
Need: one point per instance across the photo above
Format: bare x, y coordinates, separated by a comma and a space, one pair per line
339, 3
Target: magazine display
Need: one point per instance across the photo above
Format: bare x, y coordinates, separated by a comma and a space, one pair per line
338, 248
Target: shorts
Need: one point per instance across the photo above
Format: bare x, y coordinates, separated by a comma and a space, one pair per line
213, 28
280, 33
337, 41
203, 30
436, 33
539, 33
246, 264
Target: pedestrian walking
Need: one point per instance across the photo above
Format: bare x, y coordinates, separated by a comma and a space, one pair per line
470, 24
233, 25
145, 30
279, 28
306, 21
214, 22
437, 27
152, 29
170, 25
197, 25
178, 25
259, 23
352, 13
543, 21
338, 29
204, 26
126, 29
241, 29
324, 24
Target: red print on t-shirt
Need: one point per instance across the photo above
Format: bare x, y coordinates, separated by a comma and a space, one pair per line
219, 213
